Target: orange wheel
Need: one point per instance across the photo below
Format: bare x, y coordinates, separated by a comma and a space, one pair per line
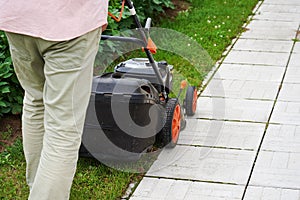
168, 137
176, 123
191, 101
195, 98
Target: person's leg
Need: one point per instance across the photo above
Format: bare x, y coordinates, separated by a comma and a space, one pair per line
29, 66
68, 71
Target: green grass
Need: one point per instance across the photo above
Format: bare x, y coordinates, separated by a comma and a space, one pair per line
96, 181
12, 173
92, 180
211, 23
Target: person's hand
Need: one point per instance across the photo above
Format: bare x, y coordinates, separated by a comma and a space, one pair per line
104, 27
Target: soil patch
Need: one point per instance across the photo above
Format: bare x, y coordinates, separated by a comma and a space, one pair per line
180, 5
10, 130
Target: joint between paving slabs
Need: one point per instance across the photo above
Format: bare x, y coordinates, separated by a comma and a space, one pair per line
214, 147
190, 180
231, 120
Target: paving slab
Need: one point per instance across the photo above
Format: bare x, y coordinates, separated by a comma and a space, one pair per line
280, 8
237, 135
269, 193
279, 34
257, 58
204, 164
261, 90
233, 109
271, 16
250, 72
294, 61
282, 138
273, 25
292, 75
297, 47
286, 113
263, 45
282, 2
290, 92
277, 169
168, 189
271, 30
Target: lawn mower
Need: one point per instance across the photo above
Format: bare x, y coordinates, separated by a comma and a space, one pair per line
130, 109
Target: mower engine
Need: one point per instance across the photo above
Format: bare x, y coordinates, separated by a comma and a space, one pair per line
141, 68
125, 114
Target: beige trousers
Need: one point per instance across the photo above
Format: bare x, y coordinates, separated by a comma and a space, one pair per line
57, 78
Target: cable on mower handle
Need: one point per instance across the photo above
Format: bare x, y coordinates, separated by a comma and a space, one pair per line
120, 15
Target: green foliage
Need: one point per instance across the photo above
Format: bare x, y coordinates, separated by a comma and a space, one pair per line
92, 179
12, 173
11, 93
11, 156
153, 8
213, 23
96, 181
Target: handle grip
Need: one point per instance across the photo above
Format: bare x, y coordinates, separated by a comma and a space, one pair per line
148, 23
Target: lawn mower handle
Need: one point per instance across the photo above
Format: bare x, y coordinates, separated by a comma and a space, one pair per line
123, 39
143, 42
129, 4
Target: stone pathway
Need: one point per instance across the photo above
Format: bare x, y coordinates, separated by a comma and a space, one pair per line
244, 141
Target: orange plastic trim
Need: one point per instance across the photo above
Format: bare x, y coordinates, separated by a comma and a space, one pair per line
183, 84
151, 46
120, 15
195, 98
176, 123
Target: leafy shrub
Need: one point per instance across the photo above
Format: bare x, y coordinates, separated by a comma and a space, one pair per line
153, 7
144, 9
11, 93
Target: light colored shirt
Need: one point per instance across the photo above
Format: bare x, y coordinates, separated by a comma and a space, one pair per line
54, 20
